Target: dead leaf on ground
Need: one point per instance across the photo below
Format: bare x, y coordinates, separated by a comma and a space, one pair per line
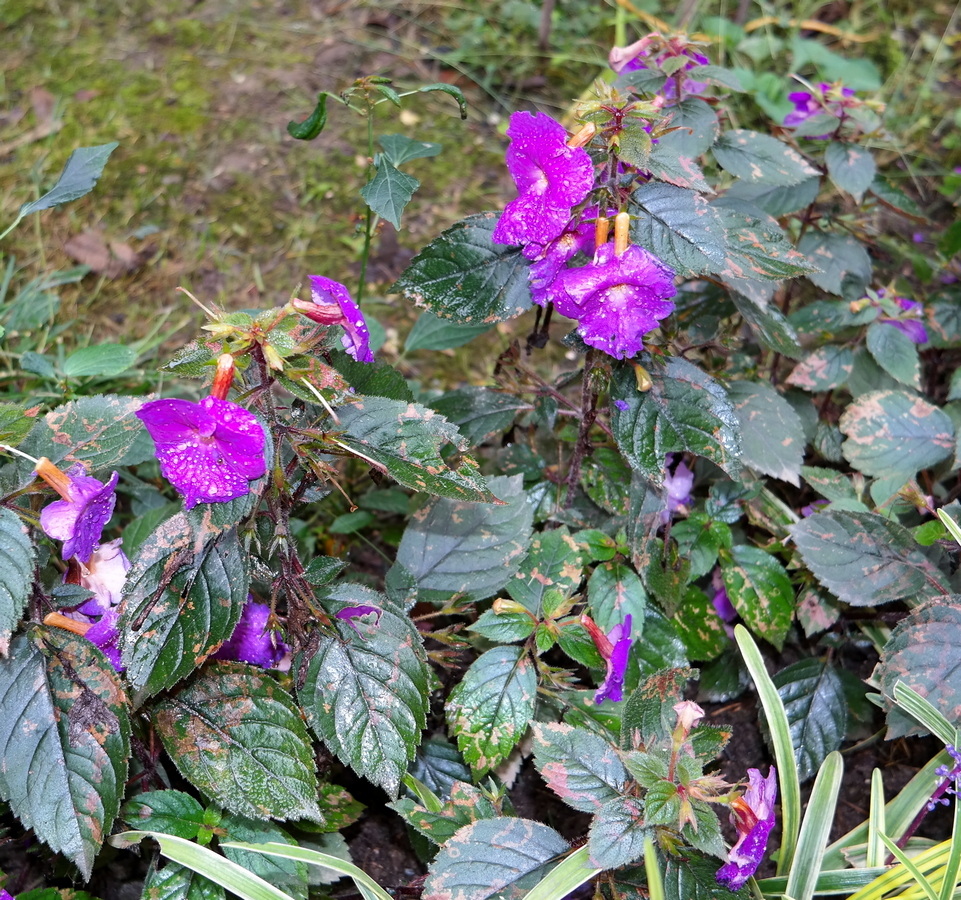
109, 258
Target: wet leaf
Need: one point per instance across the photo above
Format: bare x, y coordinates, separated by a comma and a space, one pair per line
760, 158
177, 882
761, 591
851, 167
554, 563
64, 741
614, 591
169, 812
693, 878
769, 325
16, 574
465, 805
479, 414
235, 734
617, 834
490, 708
772, 439
438, 764
823, 370
365, 689
895, 352
289, 875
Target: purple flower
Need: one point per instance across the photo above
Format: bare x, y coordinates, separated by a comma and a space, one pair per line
551, 178
826, 99
652, 52
350, 612
622, 405
209, 451
616, 299
614, 648
677, 488
910, 324
331, 305
753, 817
251, 641
104, 574
78, 519
104, 634
813, 507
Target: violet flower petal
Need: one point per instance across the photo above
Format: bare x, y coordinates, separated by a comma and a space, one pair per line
753, 816
350, 612
911, 327
611, 688
325, 292
79, 522
104, 634
251, 642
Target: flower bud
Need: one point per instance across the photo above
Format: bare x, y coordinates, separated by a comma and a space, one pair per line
583, 136
622, 232
503, 605
57, 479
223, 377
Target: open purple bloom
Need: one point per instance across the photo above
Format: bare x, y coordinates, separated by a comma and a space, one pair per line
551, 178
753, 817
209, 451
331, 305
616, 299
825, 100
251, 641
78, 520
351, 612
104, 574
910, 324
678, 485
104, 634
614, 648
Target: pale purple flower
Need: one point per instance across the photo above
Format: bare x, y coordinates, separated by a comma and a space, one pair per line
209, 451
614, 648
826, 99
910, 323
251, 641
351, 612
331, 304
104, 574
753, 817
78, 521
551, 178
616, 299
678, 487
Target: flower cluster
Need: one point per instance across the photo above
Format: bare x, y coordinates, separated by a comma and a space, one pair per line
671, 54
623, 291
753, 817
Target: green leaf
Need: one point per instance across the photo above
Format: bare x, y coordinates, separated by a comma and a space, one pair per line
895, 434
479, 413
16, 574
433, 333
169, 811
406, 439
696, 129
451, 91
777, 200
617, 833
823, 370
579, 766
399, 148
760, 158
314, 124
769, 325
389, 191
468, 548
678, 226
490, 708
14, 423
693, 878
895, 352
839, 257
865, 559
287, 874
438, 765
851, 167
816, 707
463, 275
322, 570
502, 857
760, 590
84, 167
614, 591
554, 563
64, 741
183, 599
104, 360
772, 439
661, 647
699, 539
685, 410
234, 733
829, 483
467, 804
895, 199
176, 882
699, 625
365, 689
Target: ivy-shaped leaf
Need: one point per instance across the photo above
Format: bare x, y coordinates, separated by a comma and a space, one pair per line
16, 574
64, 741
365, 689
763, 413
238, 736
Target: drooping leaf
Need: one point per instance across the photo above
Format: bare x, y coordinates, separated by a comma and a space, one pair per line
167, 811
104, 360
470, 548
894, 434
760, 590
16, 574
685, 410
81, 172
479, 413
238, 736
183, 598
490, 708
314, 124
678, 226
389, 191
851, 167
823, 369
406, 439
64, 741
760, 158
772, 439
895, 352
430, 332
463, 275
838, 257
365, 689
813, 696
617, 834
579, 766
865, 559
503, 857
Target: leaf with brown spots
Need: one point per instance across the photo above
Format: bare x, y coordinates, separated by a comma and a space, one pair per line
467, 804
760, 158
823, 370
617, 834
760, 590
64, 741
237, 735
772, 439
851, 167
838, 258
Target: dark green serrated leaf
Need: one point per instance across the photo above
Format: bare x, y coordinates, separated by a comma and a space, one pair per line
438, 764
504, 627
433, 333
769, 325
851, 167
761, 591
490, 708
760, 158
817, 713
943, 321
104, 360
579, 766
895, 352
287, 874
64, 741
322, 570
922, 653
894, 433
14, 423
406, 439
470, 548
463, 275
829, 483
777, 200
695, 129
238, 736
182, 600
823, 370
772, 439
83, 168
16, 574
503, 857
616, 837
466, 805
375, 379
865, 559
678, 226
606, 478
648, 715
661, 647
895, 199
693, 878
169, 812
177, 882
479, 413
685, 410
699, 537
614, 591
389, 191
837, 257
365, 689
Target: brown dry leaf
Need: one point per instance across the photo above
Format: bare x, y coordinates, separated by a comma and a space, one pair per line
111, 259
43, 103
